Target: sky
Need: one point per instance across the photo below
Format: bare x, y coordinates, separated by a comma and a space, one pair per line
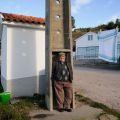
87, 13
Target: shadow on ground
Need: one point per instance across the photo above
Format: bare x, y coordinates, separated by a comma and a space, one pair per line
42, 115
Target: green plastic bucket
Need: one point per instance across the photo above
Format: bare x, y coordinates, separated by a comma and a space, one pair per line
5, 97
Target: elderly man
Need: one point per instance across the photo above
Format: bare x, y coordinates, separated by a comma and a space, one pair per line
62, 76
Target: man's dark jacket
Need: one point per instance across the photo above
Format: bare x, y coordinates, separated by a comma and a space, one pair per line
56, 70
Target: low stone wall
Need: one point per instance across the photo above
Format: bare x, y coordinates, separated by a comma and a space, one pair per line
100, 64
89, 62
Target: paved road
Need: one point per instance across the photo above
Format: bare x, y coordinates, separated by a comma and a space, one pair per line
99, 84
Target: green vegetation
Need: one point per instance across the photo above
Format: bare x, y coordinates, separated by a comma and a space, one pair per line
20, 110
81, 31
73, 21
1, 88
97, 105
12, 112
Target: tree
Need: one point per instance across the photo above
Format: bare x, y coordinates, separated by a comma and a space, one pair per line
73, 22
117, 23
110, 25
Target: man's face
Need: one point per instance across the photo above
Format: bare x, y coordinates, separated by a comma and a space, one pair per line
62, 58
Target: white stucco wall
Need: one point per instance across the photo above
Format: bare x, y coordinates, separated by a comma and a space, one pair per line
4, 52
26, 52
84, 42
0, 30
23, 60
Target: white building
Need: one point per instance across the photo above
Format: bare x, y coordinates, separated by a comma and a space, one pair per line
23, 54
87, 46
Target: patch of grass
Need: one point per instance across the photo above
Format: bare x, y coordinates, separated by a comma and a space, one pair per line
19, 110
37, 101
101, 114
11, 112
97, 105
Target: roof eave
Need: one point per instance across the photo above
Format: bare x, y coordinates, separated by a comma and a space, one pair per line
25, 25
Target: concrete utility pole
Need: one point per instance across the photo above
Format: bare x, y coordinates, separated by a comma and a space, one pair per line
58, 39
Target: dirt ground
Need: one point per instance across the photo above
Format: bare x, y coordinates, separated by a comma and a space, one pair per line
98, 84
82, 113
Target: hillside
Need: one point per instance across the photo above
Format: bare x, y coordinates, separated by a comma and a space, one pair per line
81, 31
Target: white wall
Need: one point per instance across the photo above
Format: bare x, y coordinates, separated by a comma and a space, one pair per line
26, 52
83, 41
4, 52
23, 60
0, 31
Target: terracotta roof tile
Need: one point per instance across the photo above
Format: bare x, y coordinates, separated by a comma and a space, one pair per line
22, 18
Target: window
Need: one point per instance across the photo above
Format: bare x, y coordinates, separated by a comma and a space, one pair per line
90, 37
87, 52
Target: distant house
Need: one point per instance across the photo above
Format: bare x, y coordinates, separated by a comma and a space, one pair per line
23, 54
87, 46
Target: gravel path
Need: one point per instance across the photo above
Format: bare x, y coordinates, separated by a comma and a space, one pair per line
98, 84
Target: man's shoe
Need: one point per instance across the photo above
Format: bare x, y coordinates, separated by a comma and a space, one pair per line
61, 110
68, 110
